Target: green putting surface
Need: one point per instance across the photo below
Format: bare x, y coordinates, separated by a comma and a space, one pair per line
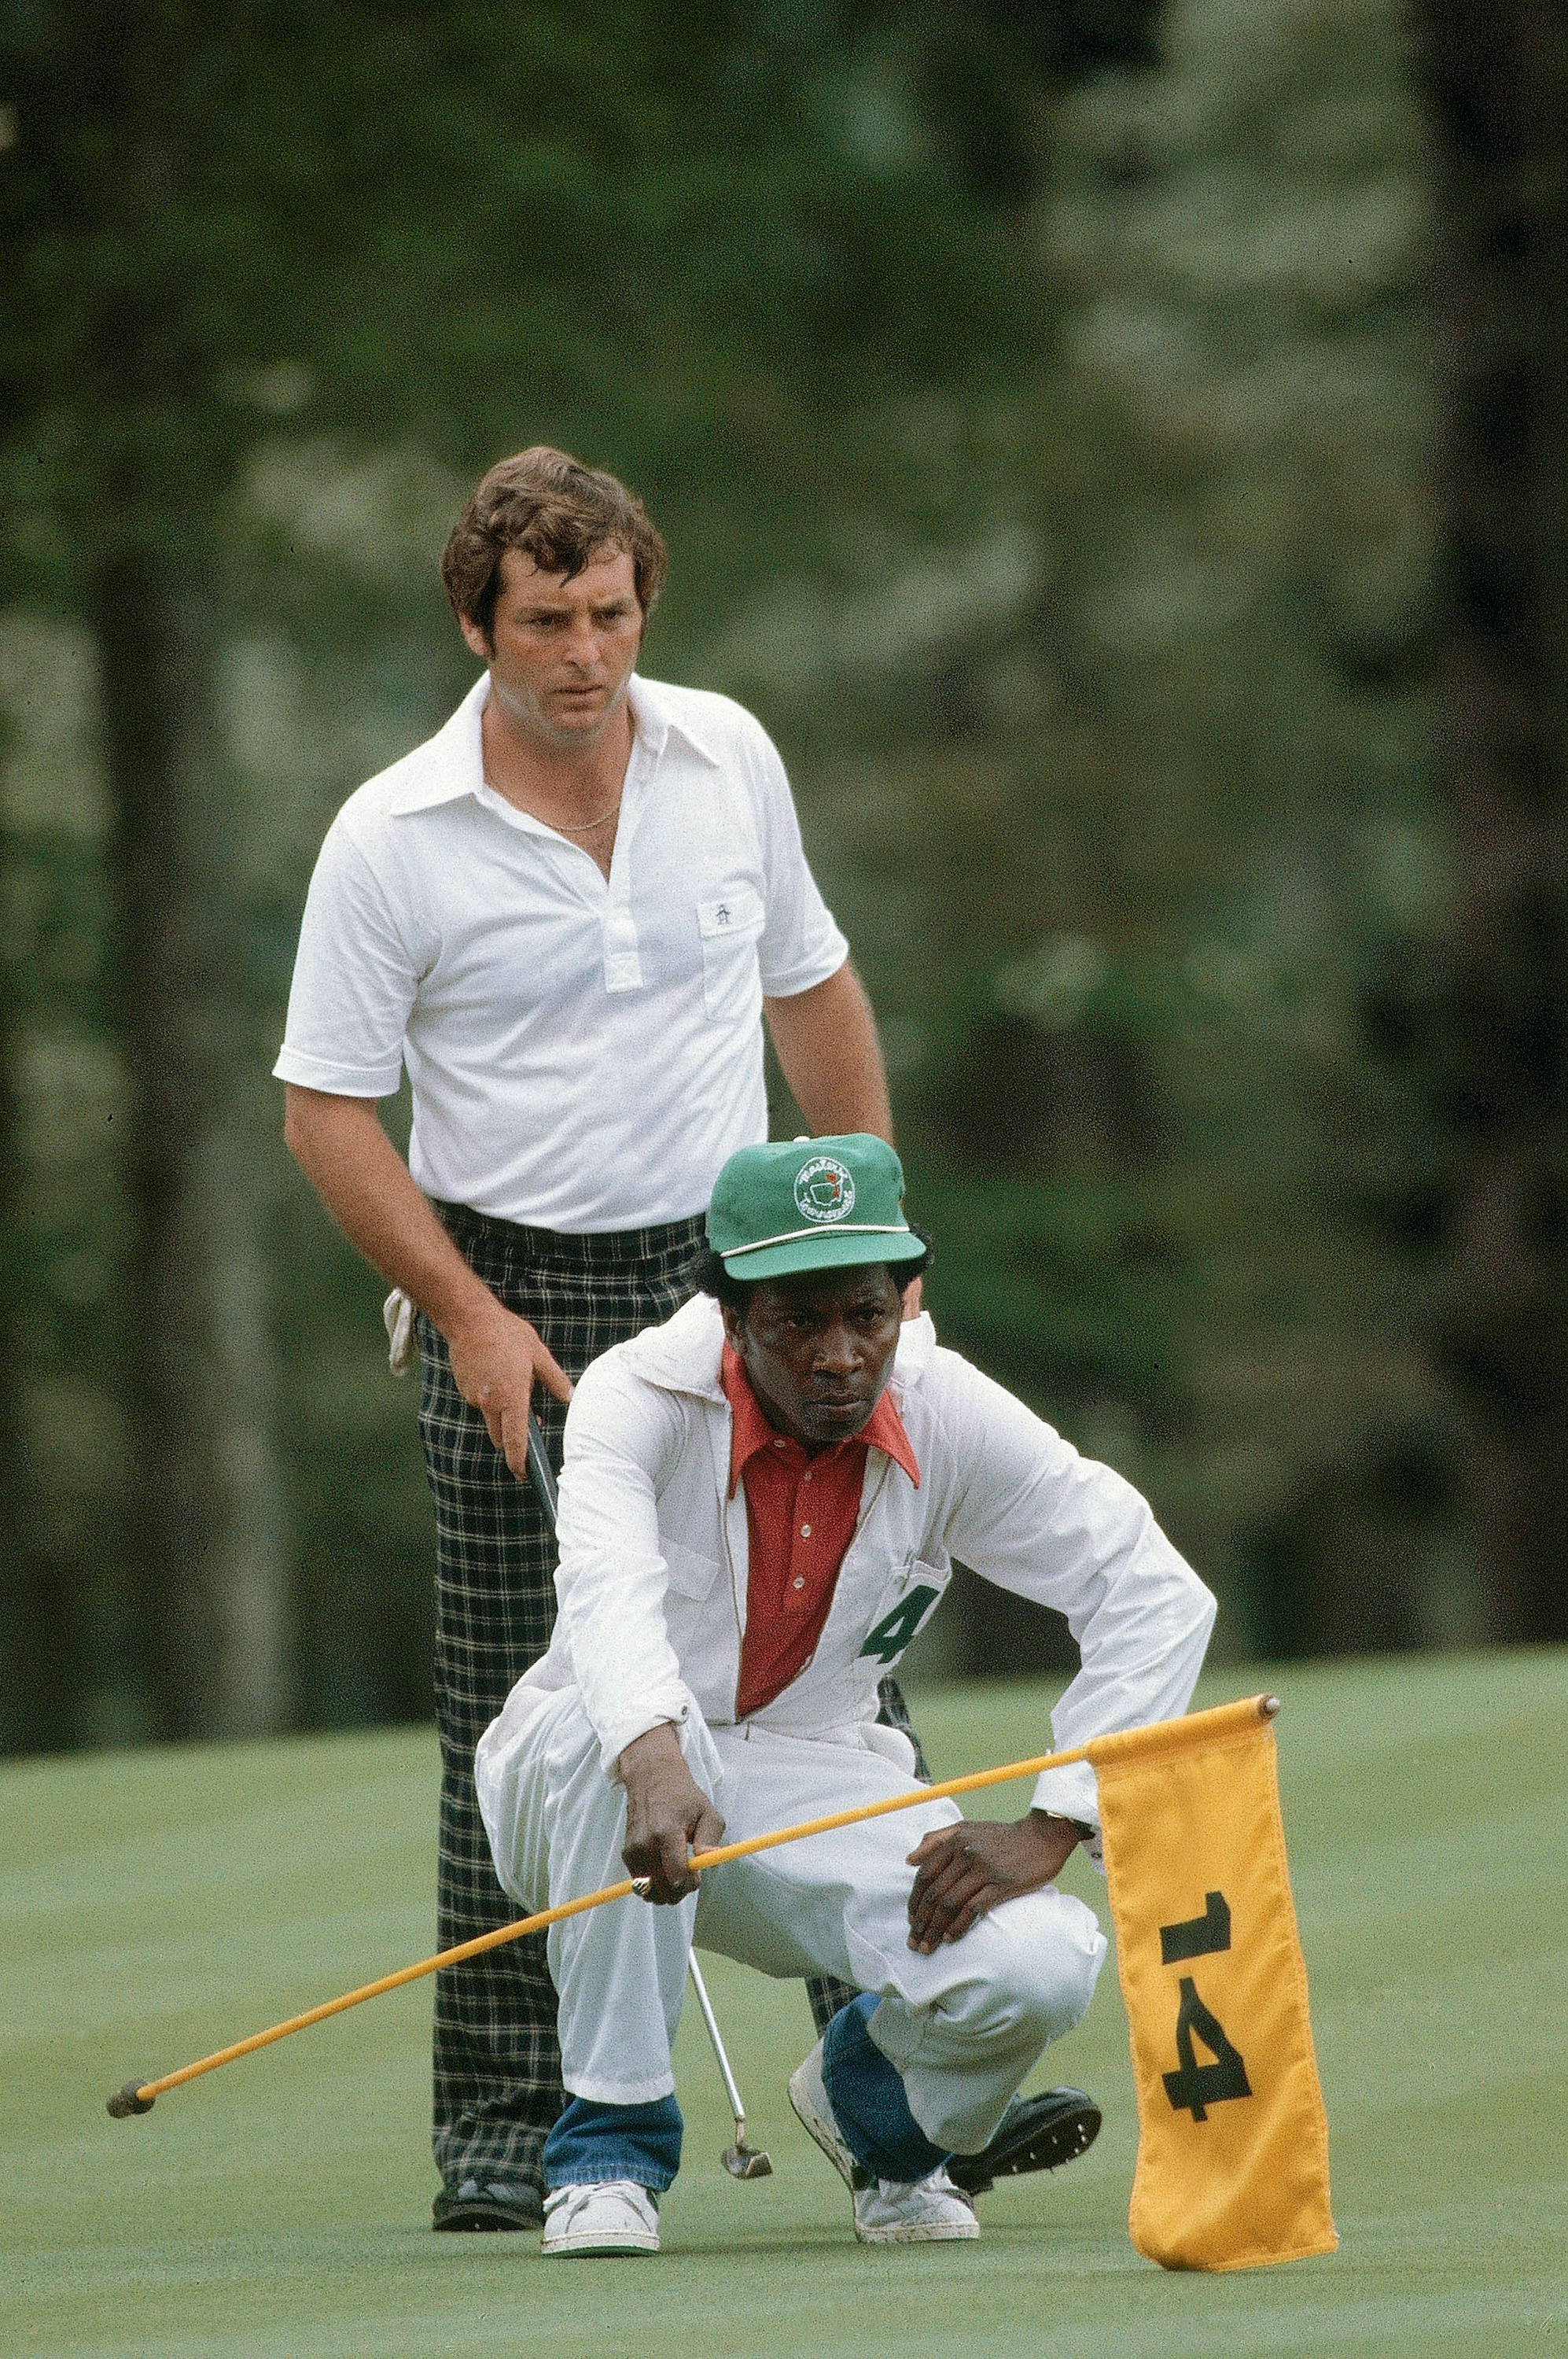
156, 1906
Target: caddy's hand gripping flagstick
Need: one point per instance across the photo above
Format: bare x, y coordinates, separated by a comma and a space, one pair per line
740, 2160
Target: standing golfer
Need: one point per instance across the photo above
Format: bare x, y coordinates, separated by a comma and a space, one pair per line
567, 915
760, 1504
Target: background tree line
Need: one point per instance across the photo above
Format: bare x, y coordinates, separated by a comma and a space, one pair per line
1118, 450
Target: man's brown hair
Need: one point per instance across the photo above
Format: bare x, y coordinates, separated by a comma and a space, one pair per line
557, 512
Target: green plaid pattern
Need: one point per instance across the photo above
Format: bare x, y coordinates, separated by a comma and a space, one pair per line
497, 2074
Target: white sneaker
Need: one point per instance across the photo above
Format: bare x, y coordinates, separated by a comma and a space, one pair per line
887, 2210
923, 2212
615, 2215
809, 2095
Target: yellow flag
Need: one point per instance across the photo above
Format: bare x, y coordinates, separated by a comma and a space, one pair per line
1233, 2145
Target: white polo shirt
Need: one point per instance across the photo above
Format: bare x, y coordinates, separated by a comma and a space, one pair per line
583, 1052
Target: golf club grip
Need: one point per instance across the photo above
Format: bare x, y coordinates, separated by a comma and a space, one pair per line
540, 1469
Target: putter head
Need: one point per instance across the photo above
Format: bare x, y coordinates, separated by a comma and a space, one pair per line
743, 2161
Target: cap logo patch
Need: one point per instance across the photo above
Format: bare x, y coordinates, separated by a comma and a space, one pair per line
823, 1190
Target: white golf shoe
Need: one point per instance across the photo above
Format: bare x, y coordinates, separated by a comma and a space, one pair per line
920, 2212
887, 2210
814, 2110
615, 2215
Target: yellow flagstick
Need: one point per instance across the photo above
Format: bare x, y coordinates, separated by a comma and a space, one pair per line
137, 2096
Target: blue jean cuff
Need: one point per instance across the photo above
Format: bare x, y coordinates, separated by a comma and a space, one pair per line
867, 2098
591, 2144
634, 2172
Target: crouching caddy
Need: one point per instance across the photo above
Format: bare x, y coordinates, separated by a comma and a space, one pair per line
760, 1504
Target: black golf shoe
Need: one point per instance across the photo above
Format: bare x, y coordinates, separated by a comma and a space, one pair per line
480, 2205
1038, 2133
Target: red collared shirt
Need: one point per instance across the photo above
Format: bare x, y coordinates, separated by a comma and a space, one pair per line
801, 1514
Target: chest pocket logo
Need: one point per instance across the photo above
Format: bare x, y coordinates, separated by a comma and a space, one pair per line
731, 981
893, 1634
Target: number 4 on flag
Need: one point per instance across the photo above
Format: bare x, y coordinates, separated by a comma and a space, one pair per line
1193, 2087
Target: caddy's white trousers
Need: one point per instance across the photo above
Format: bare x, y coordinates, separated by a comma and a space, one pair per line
963, 2027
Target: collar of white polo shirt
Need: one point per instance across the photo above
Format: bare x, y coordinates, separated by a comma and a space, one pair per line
454, 761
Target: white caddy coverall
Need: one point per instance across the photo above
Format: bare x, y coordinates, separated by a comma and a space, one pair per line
652, 1585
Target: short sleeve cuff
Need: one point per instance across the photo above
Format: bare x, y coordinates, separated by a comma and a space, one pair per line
805, 974
338, 1081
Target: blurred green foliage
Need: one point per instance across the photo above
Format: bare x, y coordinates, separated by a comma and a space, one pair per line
1036, 402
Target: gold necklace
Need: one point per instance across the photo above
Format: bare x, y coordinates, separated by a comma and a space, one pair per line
585, 826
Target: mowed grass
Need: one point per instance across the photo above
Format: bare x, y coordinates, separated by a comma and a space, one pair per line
156, 1906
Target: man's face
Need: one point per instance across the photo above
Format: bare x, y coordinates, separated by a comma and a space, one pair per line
561, 652
819, 1349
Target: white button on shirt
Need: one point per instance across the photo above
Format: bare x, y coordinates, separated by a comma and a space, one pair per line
583, 1052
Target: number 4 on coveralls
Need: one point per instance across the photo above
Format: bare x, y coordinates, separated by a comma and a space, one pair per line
895, 1631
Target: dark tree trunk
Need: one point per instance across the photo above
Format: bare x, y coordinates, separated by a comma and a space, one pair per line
204, 1610
43, 1654
1495, 78
202, 1615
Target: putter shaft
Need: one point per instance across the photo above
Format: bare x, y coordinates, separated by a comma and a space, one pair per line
725, 2074
740, 2160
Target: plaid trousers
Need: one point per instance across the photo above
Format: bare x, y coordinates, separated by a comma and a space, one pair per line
496, 2065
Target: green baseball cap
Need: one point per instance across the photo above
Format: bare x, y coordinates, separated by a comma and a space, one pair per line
810, 1203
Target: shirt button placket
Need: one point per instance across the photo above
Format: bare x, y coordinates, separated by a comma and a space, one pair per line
622, 958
